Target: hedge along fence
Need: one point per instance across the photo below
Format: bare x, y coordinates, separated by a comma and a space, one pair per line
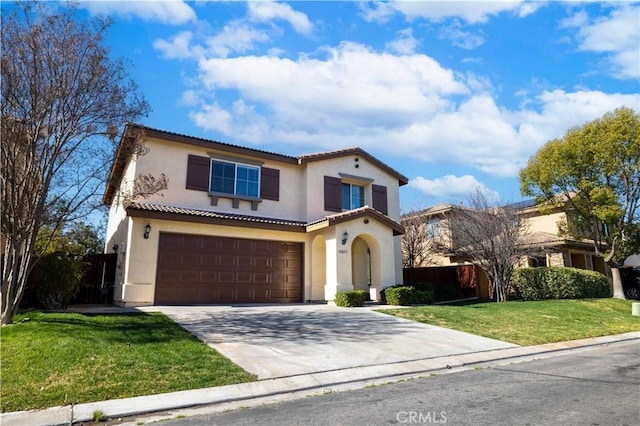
407, 295
557, 283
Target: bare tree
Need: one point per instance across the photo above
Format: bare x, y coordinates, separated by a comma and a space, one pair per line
492, 237
63, 102
417, 247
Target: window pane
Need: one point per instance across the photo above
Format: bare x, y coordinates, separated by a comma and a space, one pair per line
222, 177
432, 228
346, 196
357, 196
247, 181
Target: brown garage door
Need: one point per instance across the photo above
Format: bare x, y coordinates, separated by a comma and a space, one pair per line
196, 269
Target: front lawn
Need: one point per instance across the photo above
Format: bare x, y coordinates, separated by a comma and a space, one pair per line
530, 323
51, 359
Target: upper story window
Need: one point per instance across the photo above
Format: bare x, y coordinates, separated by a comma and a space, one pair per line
352, 196
432, 228
235, 178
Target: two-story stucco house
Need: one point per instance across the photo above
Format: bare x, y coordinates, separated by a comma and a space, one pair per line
242, 225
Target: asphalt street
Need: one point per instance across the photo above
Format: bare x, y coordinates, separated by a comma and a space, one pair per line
591, 386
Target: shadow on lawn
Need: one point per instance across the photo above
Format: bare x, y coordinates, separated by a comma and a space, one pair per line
127, 327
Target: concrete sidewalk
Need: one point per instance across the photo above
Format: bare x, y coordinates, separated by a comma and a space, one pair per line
200, 401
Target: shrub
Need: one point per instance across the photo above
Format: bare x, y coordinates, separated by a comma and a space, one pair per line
351, 298
557, 283
407, 295
57, 280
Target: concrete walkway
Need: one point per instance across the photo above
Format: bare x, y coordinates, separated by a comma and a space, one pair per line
276, 328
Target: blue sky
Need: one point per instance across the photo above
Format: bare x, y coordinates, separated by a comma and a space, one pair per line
455, 95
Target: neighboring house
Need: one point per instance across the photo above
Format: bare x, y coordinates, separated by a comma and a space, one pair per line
543, 234
242, 225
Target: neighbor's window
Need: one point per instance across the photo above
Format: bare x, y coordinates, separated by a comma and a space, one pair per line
352, 196
432, 228
235, 178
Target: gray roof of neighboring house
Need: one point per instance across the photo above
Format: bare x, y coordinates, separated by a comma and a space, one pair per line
546, 239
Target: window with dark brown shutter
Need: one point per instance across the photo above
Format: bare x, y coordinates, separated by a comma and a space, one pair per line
379, 195
198, 173
332, 194
270, 184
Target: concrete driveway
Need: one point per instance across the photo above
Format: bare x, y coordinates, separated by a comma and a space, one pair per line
285, 340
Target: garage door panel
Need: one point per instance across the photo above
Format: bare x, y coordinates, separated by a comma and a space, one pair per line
244, 261
202, 269
191, 259
244, 278
208, 277
262, 278
189, 276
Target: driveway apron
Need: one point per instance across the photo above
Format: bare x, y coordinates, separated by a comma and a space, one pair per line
285, 340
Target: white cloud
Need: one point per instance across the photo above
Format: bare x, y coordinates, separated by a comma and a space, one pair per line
405, 105
617, 35
578, 19
265, 11
469, 11
459, 37
378, 11
405, 43
235, 37
172, 12
452, 187
178, 47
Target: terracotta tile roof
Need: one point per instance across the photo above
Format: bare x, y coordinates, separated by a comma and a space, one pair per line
402, 179
365, 211
169, 212
193, 140
159, 211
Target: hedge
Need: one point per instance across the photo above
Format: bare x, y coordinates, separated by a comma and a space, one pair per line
407, 295
351, 298
57, 279
557, 283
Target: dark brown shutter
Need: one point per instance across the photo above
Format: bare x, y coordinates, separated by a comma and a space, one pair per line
379, 195
332, 194
270, 184
198, 169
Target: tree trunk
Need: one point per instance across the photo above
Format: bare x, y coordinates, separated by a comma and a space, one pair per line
618, 291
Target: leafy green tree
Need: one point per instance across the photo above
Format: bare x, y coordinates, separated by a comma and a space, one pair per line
595, 170
63, 102
77, 239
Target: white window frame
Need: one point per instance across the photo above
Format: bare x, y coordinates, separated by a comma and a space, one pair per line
235, 179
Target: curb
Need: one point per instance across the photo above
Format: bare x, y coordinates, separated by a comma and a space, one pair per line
301, 385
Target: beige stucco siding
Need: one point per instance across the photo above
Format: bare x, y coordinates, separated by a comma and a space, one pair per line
317, 170
171, 159
545, 223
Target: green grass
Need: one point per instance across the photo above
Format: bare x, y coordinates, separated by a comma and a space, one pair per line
51, 359
530, 323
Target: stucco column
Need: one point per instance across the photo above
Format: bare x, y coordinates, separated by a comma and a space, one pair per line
338, 266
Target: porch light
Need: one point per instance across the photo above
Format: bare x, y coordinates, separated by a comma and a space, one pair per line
345, 237
147, 229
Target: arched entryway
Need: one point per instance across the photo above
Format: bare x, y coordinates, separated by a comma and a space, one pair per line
360, 264
366, 263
